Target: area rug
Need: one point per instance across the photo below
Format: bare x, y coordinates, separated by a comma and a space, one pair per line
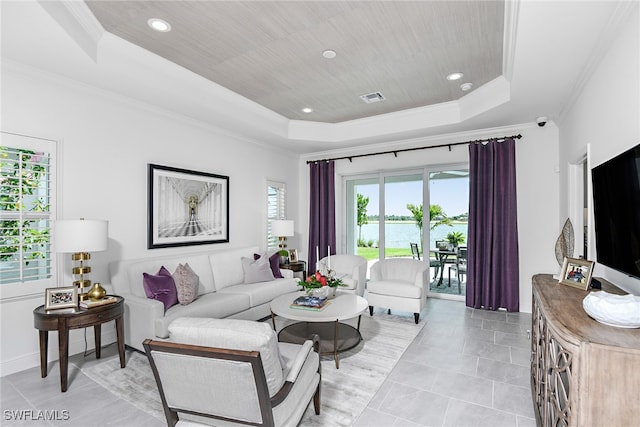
345, 391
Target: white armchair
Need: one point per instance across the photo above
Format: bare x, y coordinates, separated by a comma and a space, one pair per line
398, 284
233, 372
351, 269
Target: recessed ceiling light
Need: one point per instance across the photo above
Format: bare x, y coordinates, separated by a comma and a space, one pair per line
307, 110
466, 86
329, 54
455, 76
159, 25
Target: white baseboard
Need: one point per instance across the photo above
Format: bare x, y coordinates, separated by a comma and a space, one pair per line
77, 345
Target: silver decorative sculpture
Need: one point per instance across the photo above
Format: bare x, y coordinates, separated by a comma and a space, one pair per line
565, 243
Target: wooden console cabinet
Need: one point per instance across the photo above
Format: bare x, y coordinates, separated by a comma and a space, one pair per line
583, 373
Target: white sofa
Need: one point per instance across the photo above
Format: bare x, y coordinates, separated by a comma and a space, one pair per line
222, 292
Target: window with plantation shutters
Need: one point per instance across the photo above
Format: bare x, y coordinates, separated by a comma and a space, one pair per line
276, 209
27, 195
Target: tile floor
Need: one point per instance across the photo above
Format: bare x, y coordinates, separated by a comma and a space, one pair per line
465, 368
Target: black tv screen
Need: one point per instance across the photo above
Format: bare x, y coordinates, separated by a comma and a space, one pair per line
616, 206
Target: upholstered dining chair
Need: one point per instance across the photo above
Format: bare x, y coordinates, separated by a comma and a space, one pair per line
351, 269
398, 284
233, 372
460, 265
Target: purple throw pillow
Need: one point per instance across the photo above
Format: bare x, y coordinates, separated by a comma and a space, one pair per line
274, 262
161, 287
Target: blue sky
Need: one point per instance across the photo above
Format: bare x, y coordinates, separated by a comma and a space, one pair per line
451, 194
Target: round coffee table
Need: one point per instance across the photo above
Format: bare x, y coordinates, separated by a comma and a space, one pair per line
335, 337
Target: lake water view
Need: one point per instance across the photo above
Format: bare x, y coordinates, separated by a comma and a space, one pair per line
400, 234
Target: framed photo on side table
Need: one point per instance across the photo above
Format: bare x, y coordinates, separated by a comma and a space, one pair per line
577, 273
66, 297
293, 255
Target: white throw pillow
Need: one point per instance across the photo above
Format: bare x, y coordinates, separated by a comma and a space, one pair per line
258, 270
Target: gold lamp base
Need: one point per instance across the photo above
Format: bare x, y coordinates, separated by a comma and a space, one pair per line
81, 270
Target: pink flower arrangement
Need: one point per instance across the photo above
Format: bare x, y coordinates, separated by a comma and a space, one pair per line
318, 280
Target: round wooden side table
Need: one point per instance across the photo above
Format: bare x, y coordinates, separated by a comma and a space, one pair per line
62, 320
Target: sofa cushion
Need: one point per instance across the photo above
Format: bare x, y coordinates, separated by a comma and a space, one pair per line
161, 287
395, 288
227, 266
261, 293
213, 304
237, 335
256, 270
187, 283
274, 261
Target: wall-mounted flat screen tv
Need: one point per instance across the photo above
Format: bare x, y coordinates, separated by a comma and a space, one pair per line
616, 206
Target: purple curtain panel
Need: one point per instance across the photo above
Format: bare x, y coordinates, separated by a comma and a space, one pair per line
322, 211
493, 272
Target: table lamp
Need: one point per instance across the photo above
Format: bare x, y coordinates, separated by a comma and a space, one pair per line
79, 237
282, 228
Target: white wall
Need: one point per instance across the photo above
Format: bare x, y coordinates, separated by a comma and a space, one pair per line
537, 187
107, 142
606, 116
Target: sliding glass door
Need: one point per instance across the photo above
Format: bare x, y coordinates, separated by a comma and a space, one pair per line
448, 218
401, 223
386, 216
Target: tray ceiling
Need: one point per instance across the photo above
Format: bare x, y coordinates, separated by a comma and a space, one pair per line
271, 52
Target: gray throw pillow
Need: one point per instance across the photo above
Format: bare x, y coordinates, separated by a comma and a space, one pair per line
187, 282
258, 270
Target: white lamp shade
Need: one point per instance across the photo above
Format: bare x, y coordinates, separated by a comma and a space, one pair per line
282, 227
80, 235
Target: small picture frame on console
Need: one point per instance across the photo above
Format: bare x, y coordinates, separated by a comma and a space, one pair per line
293, 255
66, 297
576, 272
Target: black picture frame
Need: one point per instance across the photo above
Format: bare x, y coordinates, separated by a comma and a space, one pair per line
186, 207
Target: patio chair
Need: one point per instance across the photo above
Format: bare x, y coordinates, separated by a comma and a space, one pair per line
351, 269
415, 251
433, 261
460, 265
233, 372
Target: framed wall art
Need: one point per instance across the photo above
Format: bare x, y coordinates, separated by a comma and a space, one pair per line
576, 272
55, 298
186, 207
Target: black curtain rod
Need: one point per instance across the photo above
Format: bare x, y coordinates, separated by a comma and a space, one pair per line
395, 152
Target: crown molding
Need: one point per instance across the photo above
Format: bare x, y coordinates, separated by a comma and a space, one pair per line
76, 19
511, 14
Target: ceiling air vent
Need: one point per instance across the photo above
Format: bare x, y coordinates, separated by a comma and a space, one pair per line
370, 98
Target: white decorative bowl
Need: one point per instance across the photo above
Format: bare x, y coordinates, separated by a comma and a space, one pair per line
622, 311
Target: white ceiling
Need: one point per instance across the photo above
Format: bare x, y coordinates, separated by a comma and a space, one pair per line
548, 50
